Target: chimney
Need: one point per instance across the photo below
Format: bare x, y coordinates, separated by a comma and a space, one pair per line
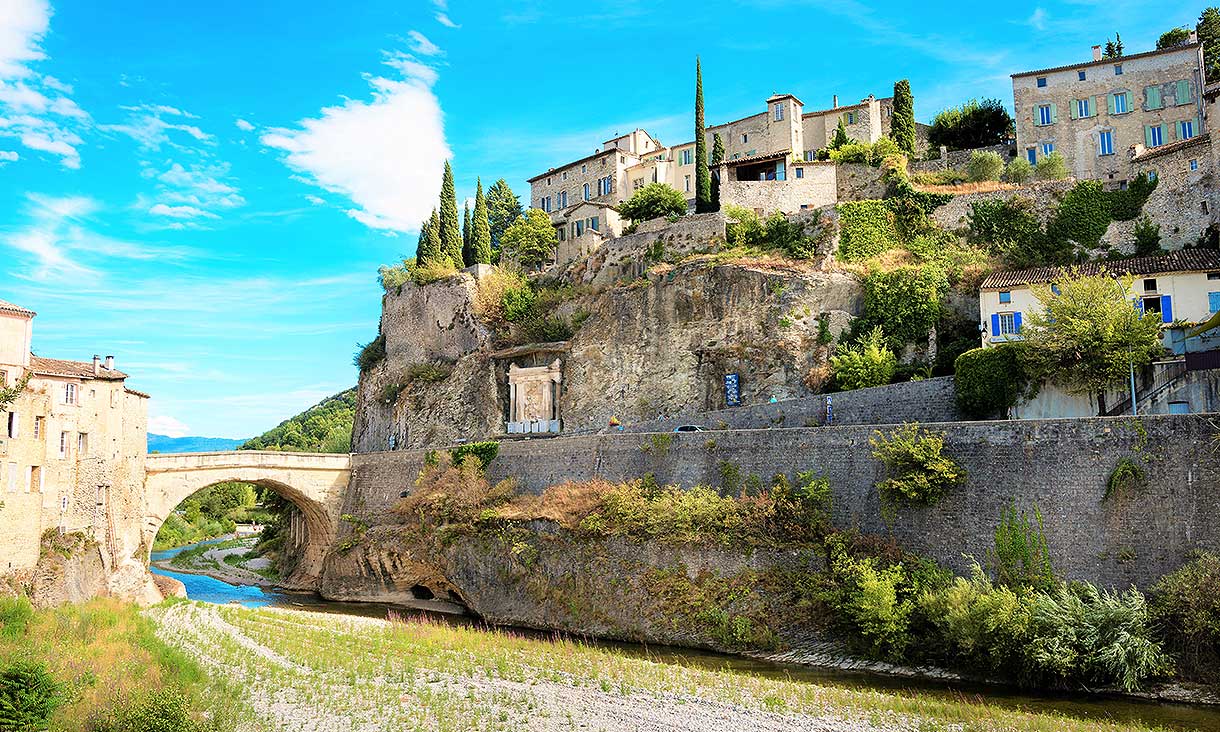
1096, 53
97, 365
836, 102
110, 363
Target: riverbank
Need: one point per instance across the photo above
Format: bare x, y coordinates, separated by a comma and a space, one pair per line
227, 561
314, 671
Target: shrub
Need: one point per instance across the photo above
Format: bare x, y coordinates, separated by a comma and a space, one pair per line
453, 493
917, 470
29, 695
1009, 228
485, 452
1186, 607
1051, 167
1021, 558
1128, 477
905, 301
1018, 170
15, 616
653, 201
867, 363
491, 290
989, 381
866, 229
868, 601
517, 302
1125, 205
949, 177
429, 272
370, 354
393, 277
789, 236
973, 124
165, 710
984, 165
1147, 236
980, 626
1082, 216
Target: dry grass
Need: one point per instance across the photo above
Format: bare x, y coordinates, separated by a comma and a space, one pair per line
489, 293
565, 504
886, 261
448, 493
986, 186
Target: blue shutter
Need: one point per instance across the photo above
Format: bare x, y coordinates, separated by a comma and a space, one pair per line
1016, 322
995, 325
1166, 309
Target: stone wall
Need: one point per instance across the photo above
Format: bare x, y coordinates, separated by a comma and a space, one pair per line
929, 400
957, 159
1185, 201
1045, 195
624, 257
1060, 466
859, 182
816, 189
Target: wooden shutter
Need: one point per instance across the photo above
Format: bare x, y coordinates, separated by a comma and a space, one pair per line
1054, 113
995, 325
1016, 322
1110, 103
1074, 110
1166, 309
1147, 136
1182, 95
1152, 97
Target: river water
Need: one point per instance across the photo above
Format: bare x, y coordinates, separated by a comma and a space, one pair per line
1077, 705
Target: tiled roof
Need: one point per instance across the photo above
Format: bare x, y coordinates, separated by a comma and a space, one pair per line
129, 390
1185, 260
842, 107
759, 157
578, 161
72, 369
1107, 61
1156, 152
9, 307
777, 97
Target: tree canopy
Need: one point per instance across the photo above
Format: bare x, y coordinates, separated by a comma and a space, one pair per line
1172, 37
531, 238
902, 126
703, 179
480, 235
503, 208
324, 427
973, 124
449, 231
429, 251
654, 200
1208, 29
717, 159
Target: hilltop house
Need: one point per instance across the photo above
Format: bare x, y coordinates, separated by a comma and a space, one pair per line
74, 435
1102, 113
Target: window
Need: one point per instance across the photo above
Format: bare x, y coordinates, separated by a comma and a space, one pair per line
800, 172
561, 233
851, 118
564, 176
1194, 164
637, 184
69, 393
1084, 108
779, 112
1047, 148
1118, 69
1031, 154
546, 204
1179, 407
35, 482
586, 192
604, 185
809, 155
1010, 324
1203, 206
1120, 103
1046, 114
1181, 93
1151, 305
1186, 129
63, 444
1006, 296
1213, 275
686, 157
1213, 302
1105, 142
1054, 288
584, 168
1154, 135
1041, 81
82, 444
595, 223
578, 228
688, 184
563, 199
745, 138
548, 181
38, 426
1150, 285
13, 425
1152, 97
1080, 75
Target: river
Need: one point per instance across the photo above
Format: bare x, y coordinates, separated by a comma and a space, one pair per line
1078, 705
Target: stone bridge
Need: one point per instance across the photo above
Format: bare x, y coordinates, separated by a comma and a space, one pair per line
314, 483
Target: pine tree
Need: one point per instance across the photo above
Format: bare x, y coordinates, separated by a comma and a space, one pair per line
428, 251
1109, 51
703, 178
503, 208
840, 139
467, 252
480, 235
902, 126
717, 159
1118, 46
450, 235
1208, 31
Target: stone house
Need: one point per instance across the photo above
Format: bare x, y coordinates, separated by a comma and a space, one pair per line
1101, 113
72, 451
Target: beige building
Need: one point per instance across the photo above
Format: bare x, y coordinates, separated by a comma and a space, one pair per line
1100, 114
72, 452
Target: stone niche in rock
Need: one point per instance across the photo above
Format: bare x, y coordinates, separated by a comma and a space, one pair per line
533, 397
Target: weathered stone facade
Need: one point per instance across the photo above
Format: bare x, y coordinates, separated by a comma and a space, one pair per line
1045, 196
859, 182
1185, 200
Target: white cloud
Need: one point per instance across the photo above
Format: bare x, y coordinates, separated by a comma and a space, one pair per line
180, 212
146, 125
34, 108
168, 426
243, 125
8, 156
420, 44
187, 193
315, 200
444, 20
1037, 20
385, 154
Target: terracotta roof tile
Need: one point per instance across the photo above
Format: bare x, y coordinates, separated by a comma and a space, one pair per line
1156, 152
756, 158
72, 369
1107, 61
1185, 260
9, 307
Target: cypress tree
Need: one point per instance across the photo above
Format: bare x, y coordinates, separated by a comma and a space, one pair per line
467, 253
503, 208
840, 138
480, 235
1209, 35
450, 235
902, 126
703, 178
428, 252
717, 159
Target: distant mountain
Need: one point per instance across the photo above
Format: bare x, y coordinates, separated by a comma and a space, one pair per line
324, 427
164, 444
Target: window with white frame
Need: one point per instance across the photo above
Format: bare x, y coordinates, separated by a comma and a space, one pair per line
686, 157
82, 444
63, 444
1156, 135
1047, 148
1045, 114
779, 112
687, 182
809, 155
1186, 129
1008, 324
1084, 107
745, 137
1120, 104
70, 394
1105, 142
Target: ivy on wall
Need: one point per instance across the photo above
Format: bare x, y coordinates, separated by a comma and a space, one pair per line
866, 229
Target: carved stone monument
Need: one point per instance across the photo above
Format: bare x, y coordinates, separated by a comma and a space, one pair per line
533, 398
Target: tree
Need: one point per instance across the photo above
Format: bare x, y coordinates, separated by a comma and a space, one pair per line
467, 254
703, 179
902, 126
480, 236
717, 159
503, 208
652, 202
1087, 335
1208, 30
984, 165
1051, 167
450, 235
868, 363
973, 124
428, 252
840, 139
1173, 37
531, 238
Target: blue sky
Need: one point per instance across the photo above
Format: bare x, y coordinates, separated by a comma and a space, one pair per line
205, 190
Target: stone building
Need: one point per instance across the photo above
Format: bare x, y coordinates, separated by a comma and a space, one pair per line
71, 455
1101, 113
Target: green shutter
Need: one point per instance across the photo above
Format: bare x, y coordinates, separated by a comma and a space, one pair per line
1110, 103
1147, 136
1153, 96
1054, 113
1074, 109
1183, 92
1130, 101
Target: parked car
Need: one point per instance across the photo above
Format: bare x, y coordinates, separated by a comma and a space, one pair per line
688, 428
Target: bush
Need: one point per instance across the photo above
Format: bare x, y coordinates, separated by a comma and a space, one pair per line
866, 229
867, 363
29, 695
429, 272
1125, 205
949, 177
370, 354
1147, 237
1127, 478
1018, 171
159, 711
1186, 607
905, 301
972, 125
1051, 167
1010, 229
747, 229
984, 165
15, 616
653, 201
491, 289
980, 626
989, 381
869, 602
1021, 558
393, 277
485, 452
517, 302
1082, 216
917, 470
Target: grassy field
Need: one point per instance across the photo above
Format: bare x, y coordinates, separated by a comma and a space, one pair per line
305, 671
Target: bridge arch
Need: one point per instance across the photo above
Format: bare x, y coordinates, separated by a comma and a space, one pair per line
314, 483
